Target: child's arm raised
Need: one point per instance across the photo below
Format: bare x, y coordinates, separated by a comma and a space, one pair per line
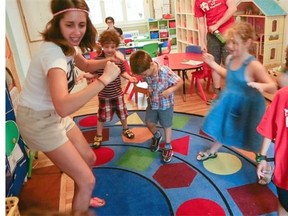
258, 78
209, 59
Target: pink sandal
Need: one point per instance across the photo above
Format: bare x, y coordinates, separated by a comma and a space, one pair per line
96, 202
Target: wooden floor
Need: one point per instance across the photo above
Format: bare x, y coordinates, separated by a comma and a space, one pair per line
193, 105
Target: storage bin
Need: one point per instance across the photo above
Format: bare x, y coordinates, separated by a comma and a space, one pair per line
154, 35
12, 206
163, 34
172, 24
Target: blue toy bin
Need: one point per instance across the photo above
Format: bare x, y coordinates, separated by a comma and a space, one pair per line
154, 35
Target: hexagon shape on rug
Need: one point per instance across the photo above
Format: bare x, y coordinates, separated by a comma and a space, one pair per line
174, 175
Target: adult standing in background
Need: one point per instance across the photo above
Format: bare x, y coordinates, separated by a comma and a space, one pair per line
219, 16
110, 22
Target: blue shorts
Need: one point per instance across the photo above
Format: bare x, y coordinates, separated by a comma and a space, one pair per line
216, 48
283, 197
164, 117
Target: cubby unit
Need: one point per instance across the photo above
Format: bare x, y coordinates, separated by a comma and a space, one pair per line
162, 30
186, 24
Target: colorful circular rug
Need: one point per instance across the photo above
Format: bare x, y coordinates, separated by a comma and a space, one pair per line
134, 181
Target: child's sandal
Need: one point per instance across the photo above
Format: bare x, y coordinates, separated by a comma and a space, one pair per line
202, 156
128, 133
97, 142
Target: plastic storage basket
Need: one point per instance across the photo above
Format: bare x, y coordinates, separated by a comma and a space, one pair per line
12, 206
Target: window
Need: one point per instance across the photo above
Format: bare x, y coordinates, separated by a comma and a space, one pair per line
123, 11
274, 26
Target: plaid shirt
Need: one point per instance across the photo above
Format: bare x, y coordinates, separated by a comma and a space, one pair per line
157, 84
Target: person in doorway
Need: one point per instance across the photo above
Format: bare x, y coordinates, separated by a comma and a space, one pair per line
233, 118
46, 101
162, 83
214, 17
111, 98
110, 22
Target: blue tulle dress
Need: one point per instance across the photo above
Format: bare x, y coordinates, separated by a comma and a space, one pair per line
233, 118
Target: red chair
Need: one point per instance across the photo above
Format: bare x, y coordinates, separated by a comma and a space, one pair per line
202, 74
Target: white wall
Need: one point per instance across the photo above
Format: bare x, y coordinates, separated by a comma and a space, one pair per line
17, 38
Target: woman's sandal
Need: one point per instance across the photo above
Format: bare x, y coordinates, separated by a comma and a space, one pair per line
96, 202
97, 142
202, 156
128, 133
266, 179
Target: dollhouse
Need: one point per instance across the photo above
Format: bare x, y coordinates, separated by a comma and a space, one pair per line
268, 19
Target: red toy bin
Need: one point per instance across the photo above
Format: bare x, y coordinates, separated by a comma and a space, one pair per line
172, 24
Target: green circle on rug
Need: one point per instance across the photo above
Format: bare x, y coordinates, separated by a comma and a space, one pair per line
223, 164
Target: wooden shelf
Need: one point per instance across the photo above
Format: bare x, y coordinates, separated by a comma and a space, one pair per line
162, 30
186, 24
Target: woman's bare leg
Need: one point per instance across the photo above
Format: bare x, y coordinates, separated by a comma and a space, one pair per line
73, 161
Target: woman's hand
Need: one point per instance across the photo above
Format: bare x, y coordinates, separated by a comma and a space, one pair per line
111, 72
90, 77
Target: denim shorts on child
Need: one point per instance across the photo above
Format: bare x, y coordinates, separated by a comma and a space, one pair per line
164, 117
43, 130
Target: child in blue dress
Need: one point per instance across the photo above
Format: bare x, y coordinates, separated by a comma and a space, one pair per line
233, 118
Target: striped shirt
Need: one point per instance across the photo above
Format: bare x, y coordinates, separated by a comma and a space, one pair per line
113, 89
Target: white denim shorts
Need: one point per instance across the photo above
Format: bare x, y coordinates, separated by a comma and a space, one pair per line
43, 130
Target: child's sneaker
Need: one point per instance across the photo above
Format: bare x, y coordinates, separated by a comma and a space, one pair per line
128, 133
167, 155
97, 142
155, 143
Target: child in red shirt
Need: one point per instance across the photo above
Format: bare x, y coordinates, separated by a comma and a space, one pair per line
274, 126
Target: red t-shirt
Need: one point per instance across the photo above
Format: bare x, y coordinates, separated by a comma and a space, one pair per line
274, 125
213, 11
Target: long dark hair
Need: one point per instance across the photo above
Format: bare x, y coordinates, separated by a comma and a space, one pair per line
52, 32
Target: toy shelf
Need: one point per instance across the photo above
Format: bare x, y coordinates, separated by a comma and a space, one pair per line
162, 30
186, 24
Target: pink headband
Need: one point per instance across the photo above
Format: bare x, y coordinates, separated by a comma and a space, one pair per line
69, 9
